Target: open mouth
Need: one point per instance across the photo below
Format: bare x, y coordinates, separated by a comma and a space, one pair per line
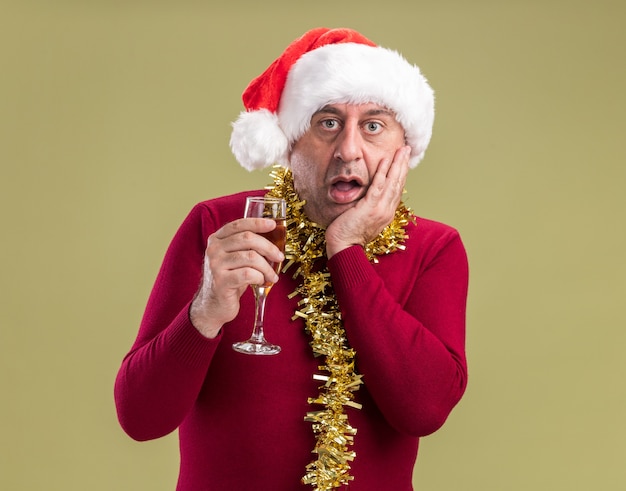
345, 191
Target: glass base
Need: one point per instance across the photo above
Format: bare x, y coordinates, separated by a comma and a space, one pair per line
256, 348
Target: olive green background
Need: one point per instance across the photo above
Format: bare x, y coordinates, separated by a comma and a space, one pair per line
114, 121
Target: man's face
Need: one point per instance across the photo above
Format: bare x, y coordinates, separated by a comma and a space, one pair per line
334, 162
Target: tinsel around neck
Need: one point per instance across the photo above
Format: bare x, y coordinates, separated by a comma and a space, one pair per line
320, 311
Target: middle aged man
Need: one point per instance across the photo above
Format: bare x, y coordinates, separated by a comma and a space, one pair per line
369, 310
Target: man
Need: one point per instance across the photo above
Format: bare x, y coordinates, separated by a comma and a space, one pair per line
369, 310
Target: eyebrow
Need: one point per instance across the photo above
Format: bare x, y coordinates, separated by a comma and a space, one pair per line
372, 112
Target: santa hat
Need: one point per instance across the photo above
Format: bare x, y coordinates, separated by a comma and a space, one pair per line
328, 66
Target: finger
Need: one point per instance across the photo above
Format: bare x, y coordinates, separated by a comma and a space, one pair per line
262, 272
245, 236
250, 276
395, 178
257, 225
242, 268
399, 168
377, 186
389, 178
245, 249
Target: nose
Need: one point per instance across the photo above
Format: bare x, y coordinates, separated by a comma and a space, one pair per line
348, 144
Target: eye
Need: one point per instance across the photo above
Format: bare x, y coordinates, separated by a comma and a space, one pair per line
373, 127
329, 124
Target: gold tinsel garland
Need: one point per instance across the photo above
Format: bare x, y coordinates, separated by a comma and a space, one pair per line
320, 311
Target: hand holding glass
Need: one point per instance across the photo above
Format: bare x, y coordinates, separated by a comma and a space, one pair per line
275, 209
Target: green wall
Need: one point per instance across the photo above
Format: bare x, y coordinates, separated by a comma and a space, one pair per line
115, 118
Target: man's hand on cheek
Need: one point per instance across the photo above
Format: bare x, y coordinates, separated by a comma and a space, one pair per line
371, 214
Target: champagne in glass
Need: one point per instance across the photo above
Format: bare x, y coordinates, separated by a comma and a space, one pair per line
275, 209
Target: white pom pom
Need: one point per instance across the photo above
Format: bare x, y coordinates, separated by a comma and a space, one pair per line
257, 140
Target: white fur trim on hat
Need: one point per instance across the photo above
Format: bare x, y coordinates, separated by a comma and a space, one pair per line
257, 140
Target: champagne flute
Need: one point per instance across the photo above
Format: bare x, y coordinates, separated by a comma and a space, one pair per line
274, 208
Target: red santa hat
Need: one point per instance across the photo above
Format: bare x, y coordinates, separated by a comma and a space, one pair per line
328, 66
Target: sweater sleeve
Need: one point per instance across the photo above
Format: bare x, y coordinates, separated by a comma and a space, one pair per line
160, 378
412, 354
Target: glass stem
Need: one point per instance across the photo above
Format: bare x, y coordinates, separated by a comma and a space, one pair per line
260, 295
